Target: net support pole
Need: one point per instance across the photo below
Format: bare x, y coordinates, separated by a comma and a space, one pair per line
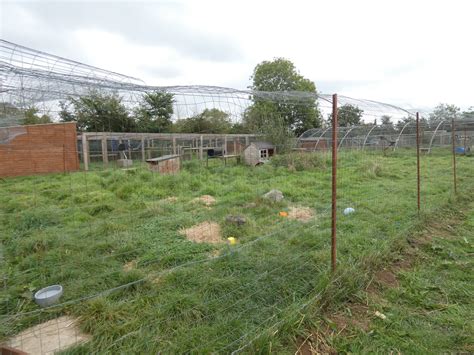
418, 192
453, 138
334, 182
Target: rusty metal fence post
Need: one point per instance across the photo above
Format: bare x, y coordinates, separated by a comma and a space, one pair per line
334, 182
453, 138
418, 192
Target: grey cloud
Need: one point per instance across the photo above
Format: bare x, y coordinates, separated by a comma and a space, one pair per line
146, 23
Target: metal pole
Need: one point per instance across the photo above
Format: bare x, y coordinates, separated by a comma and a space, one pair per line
334, 181
418, 192
453, 136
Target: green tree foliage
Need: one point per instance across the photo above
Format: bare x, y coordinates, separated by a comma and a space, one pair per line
11, 115
348, 115
98, 112
444, 112
403, 122
208, 121
386, 120
154, 112
31, 117
281, 75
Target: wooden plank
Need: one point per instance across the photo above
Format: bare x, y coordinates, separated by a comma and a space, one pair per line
105, 155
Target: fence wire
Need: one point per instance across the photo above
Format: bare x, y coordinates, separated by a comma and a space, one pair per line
203, 256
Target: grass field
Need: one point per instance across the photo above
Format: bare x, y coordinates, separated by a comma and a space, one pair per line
425, 295
95, 231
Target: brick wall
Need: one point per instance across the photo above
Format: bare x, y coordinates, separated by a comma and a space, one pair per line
38, 149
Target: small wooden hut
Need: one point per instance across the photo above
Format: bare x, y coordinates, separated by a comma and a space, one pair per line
258, 153
166, 164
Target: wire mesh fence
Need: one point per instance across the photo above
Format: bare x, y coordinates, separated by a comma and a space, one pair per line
227, 250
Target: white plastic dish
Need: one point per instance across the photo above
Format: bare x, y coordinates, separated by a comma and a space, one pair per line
49, 295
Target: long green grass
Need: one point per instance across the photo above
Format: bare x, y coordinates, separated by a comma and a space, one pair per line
80, 229
430, 310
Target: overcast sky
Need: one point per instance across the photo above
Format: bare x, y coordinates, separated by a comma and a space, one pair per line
415, 54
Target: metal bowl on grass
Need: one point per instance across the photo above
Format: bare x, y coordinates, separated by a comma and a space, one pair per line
49, 295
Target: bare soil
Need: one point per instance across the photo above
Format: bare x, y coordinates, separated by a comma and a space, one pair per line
302, 214
206, 200
206, 232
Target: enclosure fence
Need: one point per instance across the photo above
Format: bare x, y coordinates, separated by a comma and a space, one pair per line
204, 242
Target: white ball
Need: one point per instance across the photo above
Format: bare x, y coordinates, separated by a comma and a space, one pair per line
348, 211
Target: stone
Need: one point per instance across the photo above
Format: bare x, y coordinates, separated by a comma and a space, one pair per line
274, 195
238, 220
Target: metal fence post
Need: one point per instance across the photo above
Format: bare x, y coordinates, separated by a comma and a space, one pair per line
334, 182
418, 192
453, 137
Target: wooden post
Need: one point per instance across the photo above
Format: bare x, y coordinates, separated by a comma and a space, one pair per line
174, 145
235, 146
85, 152
201, 156
246, 140
143, 148
105, 154
224, 150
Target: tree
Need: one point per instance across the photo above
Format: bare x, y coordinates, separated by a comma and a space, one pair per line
31, 117
298, 114
348, 115
386, 120
11, 115
97, 112
208, 121
154, 112
444, 112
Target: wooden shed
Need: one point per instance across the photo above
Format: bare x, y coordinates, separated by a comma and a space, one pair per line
258, 153
166, 164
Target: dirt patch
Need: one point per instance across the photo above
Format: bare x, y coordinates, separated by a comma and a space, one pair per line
206, 200
356, 316
49, 337
315, 344
387, 278
302, 214
206, 232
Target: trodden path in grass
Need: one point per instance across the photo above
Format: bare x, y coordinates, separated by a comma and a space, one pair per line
420, 303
